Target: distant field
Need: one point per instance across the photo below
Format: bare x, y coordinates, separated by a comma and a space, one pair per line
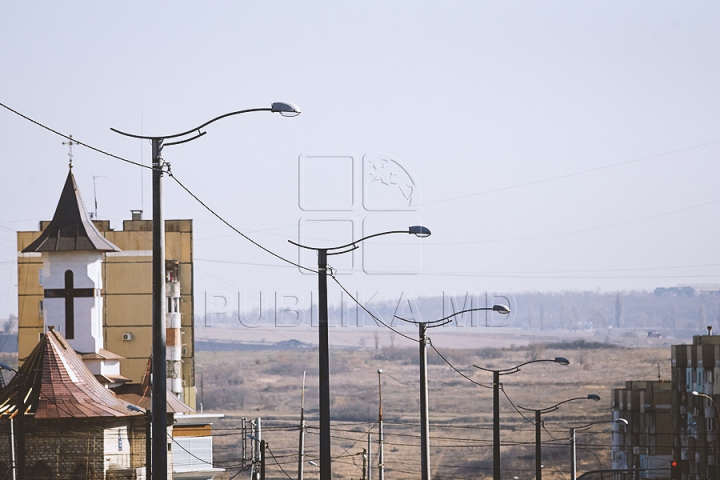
267, 383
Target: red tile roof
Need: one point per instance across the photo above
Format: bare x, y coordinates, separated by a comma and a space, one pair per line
59, 385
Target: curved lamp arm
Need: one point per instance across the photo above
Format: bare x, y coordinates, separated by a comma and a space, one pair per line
418, 231
621, 421
283, 108
552, 408
507, 371
504, 309
5, 366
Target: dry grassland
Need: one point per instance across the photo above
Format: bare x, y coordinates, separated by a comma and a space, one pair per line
268, 384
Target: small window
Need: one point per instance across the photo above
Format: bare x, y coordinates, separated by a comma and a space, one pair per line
710, 424
41, 309
40, 277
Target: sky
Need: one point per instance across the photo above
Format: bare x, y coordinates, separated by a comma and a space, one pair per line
549, 146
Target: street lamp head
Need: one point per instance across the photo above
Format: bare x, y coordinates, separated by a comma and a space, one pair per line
5, 366
504, 309
379, 371
593, 396
419, 231
134, 408
694, 392
621, 420
285, 109
562, 360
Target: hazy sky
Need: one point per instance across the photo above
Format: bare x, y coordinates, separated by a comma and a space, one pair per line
548, 145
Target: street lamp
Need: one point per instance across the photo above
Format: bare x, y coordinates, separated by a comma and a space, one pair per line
148, 438
323, 348
496, 403
424, 420
19, 465
717, 412
538, 425
573, 430
381, 454
159, 372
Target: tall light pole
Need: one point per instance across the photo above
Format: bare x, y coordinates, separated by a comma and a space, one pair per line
381, 438
424, 417
496, 404
323, 348
717, 412
538, 428
573, 431
159, 368
148, 438
19, 464
301, 453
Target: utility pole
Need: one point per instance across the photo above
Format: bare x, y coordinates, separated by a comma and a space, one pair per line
263, 446
159, 354
324, 368
573, 455
20, 394
424, 420
369, 455
301, 448
364, 460
381, 459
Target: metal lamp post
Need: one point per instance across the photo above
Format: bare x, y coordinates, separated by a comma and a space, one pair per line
538, 428
148, 438
424, 417
496, 404
381, 438
323, 334
19, 464
573, 431
159, 372
717, 412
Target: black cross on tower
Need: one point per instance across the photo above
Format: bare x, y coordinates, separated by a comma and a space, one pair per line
69, 293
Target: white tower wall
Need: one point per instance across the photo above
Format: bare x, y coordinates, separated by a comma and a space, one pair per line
86, 266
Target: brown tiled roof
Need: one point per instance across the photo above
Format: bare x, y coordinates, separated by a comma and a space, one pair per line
139, 394
59, 385
70, 228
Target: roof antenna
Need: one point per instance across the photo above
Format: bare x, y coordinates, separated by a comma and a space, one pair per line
70, 144
95, 217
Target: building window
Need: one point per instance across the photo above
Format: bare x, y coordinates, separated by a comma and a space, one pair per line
40, 277
710, 425
41, 309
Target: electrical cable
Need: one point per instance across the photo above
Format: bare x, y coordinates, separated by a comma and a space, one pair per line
429, 342
68, 137
276, 461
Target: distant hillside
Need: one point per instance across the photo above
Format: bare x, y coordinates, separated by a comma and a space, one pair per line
674, 309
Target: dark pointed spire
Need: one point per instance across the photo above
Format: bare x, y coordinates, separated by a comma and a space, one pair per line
71, 228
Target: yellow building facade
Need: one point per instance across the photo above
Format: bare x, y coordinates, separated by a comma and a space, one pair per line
127, 295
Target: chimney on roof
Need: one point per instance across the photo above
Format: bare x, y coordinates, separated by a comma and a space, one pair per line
709, 327
136, 214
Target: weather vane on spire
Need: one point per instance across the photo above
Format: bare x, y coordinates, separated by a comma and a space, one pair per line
70, 144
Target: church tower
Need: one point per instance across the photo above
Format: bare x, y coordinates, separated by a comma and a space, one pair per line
72, 255
93, 284
71, 249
